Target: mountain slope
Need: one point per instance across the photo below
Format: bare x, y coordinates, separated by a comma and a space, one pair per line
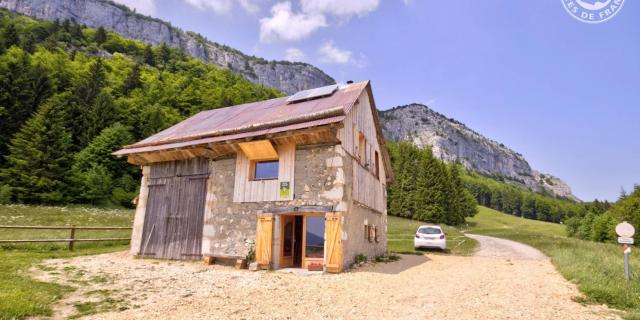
286, 76
452, 141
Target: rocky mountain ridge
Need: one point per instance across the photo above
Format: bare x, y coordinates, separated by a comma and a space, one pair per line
453, 141
288, 77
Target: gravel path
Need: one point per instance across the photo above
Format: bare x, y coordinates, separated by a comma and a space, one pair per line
502, 248
491, 285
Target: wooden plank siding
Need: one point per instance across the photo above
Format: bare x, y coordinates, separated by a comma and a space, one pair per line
368, 189
246, 190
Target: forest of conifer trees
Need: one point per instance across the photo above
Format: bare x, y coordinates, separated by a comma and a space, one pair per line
71, 95
426, 188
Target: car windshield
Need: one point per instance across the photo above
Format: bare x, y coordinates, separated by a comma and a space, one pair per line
429, 230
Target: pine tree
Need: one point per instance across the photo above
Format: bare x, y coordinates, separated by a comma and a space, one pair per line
91, 83
10, 36
22, 89
76, 32
85, 109
66, 25
164, 55
100, 36
101, 114
40, 156
401, 195
132, 81
455, 196
461, 203
431, 188
148, 56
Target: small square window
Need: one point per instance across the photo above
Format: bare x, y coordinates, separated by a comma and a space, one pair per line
265, 170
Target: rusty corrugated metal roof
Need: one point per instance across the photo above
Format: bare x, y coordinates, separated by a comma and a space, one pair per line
201, 141
260, 118
250, 117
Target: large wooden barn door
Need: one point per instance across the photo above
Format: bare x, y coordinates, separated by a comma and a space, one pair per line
175, 209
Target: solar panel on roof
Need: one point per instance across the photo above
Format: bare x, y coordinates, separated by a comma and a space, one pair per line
313, 93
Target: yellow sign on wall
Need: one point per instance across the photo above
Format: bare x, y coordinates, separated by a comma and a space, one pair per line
285, 190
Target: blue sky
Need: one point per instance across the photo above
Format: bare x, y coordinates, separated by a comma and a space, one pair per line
565, 94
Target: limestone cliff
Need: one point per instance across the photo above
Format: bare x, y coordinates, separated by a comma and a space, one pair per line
452, 141
288, 77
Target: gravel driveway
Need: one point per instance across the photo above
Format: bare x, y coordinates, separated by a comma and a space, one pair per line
502, 248
505, 280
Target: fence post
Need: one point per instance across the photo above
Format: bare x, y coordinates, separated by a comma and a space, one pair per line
72, 238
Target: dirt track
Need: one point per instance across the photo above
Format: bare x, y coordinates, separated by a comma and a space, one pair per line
507, 249
491, 285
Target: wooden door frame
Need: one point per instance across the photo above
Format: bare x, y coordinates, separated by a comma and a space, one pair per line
283, 220
306, 260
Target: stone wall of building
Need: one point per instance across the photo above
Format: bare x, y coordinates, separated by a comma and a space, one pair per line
358, 243
230, 228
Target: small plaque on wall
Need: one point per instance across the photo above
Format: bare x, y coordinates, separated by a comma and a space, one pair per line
285, 190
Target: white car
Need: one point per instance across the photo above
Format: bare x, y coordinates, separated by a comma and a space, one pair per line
430, 237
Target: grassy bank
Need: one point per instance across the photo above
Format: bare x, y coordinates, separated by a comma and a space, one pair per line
597, 268
401, 233
22, 296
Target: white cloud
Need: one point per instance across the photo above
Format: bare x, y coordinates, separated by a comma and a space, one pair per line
223, 6
286, 25
340, 8
294, 55
329, 53
249, 6
147, 7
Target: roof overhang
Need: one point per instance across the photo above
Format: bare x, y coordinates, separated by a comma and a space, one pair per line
230, 137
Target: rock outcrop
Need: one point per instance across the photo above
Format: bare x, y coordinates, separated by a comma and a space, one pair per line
452, 141
288, 77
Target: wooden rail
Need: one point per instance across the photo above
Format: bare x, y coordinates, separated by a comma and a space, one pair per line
72, 235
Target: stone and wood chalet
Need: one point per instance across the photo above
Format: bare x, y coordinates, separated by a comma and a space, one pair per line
298, 181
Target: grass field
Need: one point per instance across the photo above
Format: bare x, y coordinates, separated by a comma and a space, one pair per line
22, 296
597, 268
401, 233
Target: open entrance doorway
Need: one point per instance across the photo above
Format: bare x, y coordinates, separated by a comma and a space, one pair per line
302, 241
292, 241
311, 241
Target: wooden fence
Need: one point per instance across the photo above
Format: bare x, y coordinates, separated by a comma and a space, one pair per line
72, 234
